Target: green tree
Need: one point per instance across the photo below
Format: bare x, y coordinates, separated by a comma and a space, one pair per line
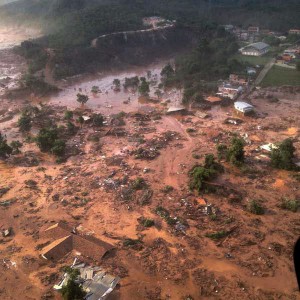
58, 148
144, 87
282, 157
167, 72
24, 122
16, 145
95, 89
236, 153
97, 119
46, 138
117, 84
5, 149
72, 290
82, 99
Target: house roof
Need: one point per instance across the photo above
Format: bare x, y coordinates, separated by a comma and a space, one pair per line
213, 99
175, 109
242, 105
60, 247
87, 245
258, 46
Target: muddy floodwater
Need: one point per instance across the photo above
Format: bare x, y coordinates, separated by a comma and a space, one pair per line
107, 100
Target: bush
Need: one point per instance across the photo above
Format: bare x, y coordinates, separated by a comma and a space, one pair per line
58, 148
24, 122
290, 204
255, 208
139, 184
5, 149
68, 115
217, 235
147, 222
167, 189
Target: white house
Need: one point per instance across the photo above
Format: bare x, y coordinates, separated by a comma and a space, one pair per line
243, 107
256, 49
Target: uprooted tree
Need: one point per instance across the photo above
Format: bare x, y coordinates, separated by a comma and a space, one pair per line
283, 155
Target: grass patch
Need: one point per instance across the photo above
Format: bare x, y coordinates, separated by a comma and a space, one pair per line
279, 76
253, 60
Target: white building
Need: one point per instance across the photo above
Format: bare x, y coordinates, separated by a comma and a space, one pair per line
256, 49
243, 107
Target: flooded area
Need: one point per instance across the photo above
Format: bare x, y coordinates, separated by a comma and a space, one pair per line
107, 100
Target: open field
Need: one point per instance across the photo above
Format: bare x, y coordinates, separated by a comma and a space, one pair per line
279, 76
253, 60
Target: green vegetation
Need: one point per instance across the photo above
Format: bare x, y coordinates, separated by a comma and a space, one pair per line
167, 189
48, 141
279, 76
36, 85
146, 222
35, 54
24, 122
72, 290
82, 99
132, 82
164, 213
144, 87
97, 120
117, 84
201, 175
235, 153
139, 183
16, 145
5, 149
282, 157
256, 208
289, 204
217, 235
68, 115
253, 60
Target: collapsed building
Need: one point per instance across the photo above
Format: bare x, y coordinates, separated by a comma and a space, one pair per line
95, 281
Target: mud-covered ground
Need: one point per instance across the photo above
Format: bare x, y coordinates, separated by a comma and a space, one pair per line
92, 189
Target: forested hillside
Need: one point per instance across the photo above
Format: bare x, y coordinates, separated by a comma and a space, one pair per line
70, 26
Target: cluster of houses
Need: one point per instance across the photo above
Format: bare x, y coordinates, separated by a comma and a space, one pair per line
254, 33
289, 56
